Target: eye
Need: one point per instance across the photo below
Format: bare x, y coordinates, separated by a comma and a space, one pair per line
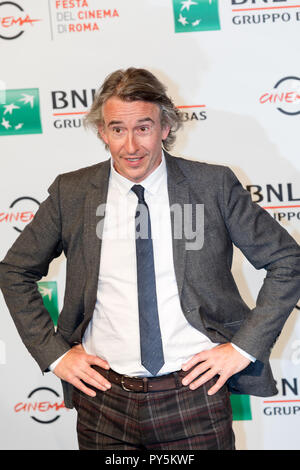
144, 129
117, 130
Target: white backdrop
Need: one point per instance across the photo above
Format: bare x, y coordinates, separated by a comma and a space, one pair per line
232, 68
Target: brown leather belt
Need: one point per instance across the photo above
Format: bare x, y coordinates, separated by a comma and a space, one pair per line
144, 384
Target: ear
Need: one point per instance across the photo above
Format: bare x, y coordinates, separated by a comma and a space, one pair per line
101, 130
165, 132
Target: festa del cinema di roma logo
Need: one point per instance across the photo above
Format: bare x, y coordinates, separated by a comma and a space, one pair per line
20, 112
14, 20
79, 16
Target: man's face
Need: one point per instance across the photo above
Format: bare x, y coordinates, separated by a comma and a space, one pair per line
133, 132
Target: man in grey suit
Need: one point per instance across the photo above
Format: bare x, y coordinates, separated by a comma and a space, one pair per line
153, 334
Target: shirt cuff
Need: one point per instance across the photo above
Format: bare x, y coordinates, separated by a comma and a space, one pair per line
244, 353
54, 364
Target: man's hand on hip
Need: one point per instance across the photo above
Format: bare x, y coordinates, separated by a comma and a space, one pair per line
223, 360
75, 367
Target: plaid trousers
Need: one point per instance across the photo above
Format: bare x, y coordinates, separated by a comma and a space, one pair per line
180, 419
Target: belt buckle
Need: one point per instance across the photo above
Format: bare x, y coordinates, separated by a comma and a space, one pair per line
123, 385
144, 386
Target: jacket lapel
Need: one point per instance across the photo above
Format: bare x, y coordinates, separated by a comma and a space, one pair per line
96, 198
178, 196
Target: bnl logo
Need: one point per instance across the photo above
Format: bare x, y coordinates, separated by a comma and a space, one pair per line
196, 15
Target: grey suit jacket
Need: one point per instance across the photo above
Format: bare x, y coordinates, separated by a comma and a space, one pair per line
66, 221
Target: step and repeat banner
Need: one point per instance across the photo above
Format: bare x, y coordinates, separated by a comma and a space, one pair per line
231, 67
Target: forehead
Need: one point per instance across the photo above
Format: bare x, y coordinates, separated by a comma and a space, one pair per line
129, 112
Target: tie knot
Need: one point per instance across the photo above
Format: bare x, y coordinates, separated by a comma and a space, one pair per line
139, 192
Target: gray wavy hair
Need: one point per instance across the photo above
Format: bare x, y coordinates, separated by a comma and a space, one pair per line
135, 85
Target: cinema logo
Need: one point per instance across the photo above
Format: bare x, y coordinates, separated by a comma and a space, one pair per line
20, 212
14, 21
285, 96
79, 16
254, 12
281, 199
43, 405
289, 401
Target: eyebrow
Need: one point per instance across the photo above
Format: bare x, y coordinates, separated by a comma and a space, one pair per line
139, 121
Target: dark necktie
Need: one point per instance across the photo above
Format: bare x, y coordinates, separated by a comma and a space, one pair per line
150, 336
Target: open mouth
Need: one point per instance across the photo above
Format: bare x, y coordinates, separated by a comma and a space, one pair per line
134, 160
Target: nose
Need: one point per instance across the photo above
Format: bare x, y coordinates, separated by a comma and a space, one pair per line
131, 145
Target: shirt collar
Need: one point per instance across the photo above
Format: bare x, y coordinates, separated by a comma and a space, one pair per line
151, 183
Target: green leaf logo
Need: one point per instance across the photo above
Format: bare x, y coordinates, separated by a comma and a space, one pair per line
196, 15
48, 290
20, 112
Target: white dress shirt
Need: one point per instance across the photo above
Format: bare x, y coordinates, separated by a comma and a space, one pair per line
113, 332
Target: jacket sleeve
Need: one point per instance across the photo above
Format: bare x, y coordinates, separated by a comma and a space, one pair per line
266, 245
24, 265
